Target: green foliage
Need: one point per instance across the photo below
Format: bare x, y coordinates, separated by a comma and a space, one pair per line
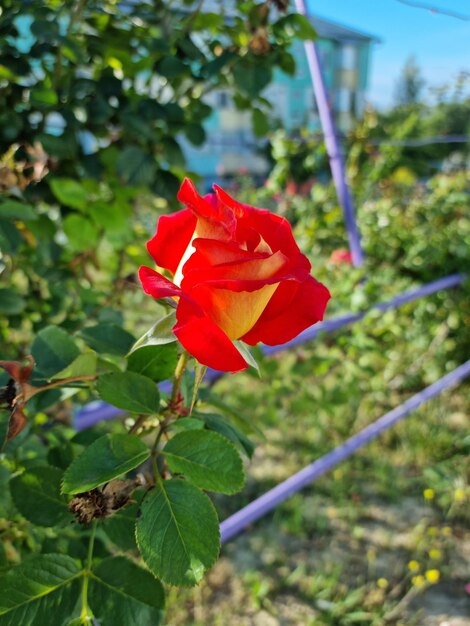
95, 102
53, 350
130, 392
36, 494
206, 459
106, 458
31, 593
177, 532
123, 592
157, 362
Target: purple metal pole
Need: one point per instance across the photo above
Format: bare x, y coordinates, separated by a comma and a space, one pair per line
98, 411
332, 145
234, 525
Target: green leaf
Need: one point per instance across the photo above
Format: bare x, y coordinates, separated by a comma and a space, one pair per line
206, 459
135, 166
296, 25
260, 123
122, 592
112, 217
120, 527
5, 496
195, 133
247, 355
11, 303
36, 494
53, 350
178, 532
186, 423
108, 338
156, 362
43, 97
10, 238
171, 67
31, 593
251, 77
129, 391
81, 233
221, 426
172, 152
106, 458
69, 192
83, 365
17, 210
4, 425
160, 333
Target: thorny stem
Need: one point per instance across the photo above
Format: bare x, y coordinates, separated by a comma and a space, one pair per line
84, 614
32, 391
179, 371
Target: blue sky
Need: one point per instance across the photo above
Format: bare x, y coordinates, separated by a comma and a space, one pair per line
441, 44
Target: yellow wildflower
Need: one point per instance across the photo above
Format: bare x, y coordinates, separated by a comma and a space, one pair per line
433, 576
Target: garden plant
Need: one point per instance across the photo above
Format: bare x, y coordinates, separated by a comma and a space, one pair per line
107, 525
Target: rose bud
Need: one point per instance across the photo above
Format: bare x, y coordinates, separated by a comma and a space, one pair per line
237, 274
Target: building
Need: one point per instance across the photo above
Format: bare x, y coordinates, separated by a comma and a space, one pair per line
231, 145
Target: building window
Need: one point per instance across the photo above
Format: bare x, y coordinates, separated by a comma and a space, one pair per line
348, 57
222, 100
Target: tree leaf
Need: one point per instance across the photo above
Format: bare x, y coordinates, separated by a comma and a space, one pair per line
17, 210
108, 338
160, 333
296, 25
42, 590
11, 303
129, 391
106, 458
251, 77
84, 365
157, 362
69, 192
122, 592
178, 532
10, 238
207, 459
81, 233
260, 123
53, 350
135, 166
36, 494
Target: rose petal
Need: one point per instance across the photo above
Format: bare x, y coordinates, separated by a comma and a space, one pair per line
156, 285
214, 221
238, 276
276, 230
235, 312
173, 236
293, 308
205, 340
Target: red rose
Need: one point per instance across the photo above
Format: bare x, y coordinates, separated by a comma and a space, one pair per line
237, 274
